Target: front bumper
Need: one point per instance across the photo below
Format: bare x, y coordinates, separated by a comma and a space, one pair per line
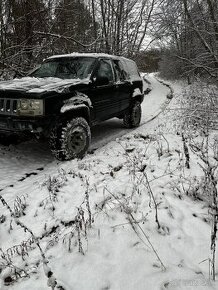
11, 125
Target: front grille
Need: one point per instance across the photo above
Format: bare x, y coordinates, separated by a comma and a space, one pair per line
8, 106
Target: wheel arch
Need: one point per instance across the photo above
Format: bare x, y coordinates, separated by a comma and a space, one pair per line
137, 95
77, 106
78, 111
138, 98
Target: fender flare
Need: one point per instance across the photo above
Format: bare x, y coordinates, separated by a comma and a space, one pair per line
80, 103
137, 95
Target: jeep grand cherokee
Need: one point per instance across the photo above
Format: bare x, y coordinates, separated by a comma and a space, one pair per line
66, 95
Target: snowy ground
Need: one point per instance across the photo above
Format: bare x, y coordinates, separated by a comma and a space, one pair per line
95, 218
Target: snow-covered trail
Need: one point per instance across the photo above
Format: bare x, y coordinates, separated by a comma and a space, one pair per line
155, 101
28, 159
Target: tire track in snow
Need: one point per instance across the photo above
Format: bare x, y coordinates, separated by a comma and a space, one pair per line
164, 104
24, 177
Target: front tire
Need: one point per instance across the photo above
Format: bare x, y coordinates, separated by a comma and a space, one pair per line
70, 139
132, 118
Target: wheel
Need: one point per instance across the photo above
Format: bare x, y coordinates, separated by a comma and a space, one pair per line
133, 117
70, 139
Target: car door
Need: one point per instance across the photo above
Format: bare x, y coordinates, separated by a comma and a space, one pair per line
122, 85
103, 92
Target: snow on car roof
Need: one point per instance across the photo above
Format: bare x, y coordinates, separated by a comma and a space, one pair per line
77, 54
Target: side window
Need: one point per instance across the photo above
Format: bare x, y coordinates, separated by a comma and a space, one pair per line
105, 70
133, 70
125, 70
120, 74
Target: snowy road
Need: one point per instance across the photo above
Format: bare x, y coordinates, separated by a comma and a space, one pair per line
25, 160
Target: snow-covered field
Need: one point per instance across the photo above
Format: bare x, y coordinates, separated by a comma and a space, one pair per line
95, 219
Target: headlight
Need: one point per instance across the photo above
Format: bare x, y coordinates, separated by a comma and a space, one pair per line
30, 107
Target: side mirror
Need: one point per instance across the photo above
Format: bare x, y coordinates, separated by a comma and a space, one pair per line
101, 81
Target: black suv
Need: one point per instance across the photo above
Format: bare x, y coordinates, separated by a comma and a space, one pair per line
66, 95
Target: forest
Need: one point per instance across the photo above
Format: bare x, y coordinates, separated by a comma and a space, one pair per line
177, 37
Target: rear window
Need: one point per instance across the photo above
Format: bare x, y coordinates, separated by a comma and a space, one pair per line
132, 69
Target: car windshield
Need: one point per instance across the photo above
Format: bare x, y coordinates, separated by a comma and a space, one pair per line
65, 68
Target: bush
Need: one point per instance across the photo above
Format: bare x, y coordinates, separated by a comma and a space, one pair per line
199, 107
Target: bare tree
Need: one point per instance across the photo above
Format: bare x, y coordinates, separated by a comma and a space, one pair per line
124, 24
33, 29
191, 30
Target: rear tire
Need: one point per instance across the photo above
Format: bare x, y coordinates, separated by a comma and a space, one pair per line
132, 118
70, 139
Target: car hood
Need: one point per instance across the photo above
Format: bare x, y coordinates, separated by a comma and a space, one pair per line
40, 85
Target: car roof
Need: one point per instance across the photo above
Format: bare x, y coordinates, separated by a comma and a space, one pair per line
96, 55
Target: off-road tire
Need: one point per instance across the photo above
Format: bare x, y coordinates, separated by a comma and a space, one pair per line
70, 139
132, 118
